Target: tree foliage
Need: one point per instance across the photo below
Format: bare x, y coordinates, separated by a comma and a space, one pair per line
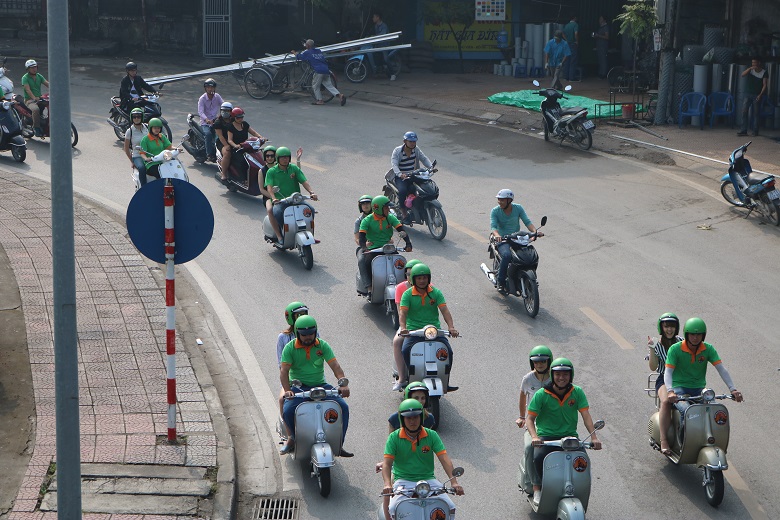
637, 19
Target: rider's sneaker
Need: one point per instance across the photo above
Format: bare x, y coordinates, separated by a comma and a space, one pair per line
288, 448
399, 386
537, 497
502, 289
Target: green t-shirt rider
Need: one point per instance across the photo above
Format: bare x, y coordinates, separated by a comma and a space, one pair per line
376, 230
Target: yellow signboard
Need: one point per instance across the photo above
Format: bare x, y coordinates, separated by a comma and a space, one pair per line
478, 37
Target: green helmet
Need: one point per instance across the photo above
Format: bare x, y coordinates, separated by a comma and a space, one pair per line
695, 326
155, 122
137, 111
270, 148
305, 325
668, 316
291, 310
562, 364
419, 270
540, 353
409, 408
415, 386
283, 151
378, 204
411, 263
361, 200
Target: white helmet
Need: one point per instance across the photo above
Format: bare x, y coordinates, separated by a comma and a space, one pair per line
505, 194
30, 63
226, 106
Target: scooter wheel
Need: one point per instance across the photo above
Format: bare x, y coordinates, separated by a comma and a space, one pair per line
323, 482
19, 153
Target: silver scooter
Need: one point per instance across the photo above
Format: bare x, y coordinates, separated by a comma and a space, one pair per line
297, 228
387, 271
422, 502
318, 432
566, 479
430, 361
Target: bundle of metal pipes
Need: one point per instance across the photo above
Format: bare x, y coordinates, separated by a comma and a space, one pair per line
341, 49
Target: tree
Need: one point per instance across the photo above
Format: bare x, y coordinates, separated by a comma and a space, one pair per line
638, 21
451, 13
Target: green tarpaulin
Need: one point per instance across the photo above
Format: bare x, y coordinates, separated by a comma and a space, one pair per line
532, 101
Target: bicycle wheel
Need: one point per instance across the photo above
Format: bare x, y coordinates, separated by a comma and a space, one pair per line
258, 83
394, 65
325, 93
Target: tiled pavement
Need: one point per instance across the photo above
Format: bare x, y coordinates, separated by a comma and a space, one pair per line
121, 347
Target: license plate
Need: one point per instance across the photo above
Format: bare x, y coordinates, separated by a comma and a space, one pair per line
588, 124
773, 195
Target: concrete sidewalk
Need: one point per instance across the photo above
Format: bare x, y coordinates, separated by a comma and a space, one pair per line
129, 470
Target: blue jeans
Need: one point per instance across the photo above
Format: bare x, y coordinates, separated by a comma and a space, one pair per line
291, 404
403, 186
210, 137
505, 250
570, 67
750, 102
140, 165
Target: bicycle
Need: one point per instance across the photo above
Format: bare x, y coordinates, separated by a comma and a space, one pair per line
289, 76
256, 81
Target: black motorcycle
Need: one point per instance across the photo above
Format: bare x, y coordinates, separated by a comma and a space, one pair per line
425, 208
11, 132
120, 120
521, 278
195, 141
570, 123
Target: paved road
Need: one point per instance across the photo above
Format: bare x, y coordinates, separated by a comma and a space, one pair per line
623, 246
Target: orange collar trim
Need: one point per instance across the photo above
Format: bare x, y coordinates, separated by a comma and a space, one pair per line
561, 399
685, 348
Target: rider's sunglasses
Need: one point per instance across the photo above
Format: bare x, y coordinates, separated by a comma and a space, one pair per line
270, 155
137, 116
239, 117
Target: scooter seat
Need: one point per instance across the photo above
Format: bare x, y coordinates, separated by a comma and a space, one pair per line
571, 110
756, 178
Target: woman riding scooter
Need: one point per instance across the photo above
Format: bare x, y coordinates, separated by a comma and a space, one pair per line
152, 144
668, 328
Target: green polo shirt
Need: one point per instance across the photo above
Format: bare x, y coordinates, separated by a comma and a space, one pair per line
557, 417
378, 230
690, 367
413, 460
35, 83
307, 364
422, 307
289, 181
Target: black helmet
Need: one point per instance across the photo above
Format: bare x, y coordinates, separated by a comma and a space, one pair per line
131, 65
669, 317
210, 83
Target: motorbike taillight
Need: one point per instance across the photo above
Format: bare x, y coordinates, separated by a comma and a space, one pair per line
770, 184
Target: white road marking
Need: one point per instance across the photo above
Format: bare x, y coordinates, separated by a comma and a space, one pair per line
606, 327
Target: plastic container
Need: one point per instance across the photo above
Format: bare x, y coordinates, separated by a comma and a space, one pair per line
628, 112
502, 40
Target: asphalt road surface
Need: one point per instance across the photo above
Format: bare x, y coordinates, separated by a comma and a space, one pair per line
624, 244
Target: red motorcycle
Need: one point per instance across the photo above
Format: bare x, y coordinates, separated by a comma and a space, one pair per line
245, 171
27, 121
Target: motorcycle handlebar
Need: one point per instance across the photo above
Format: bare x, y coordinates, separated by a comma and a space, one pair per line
332, 392
408, 492
698, 398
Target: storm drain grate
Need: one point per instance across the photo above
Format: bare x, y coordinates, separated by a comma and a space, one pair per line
276, 509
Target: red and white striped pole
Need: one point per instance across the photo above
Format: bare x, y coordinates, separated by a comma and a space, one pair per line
170, 309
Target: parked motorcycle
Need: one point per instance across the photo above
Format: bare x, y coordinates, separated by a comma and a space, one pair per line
318, 432
430, 360
11, 132
703, 438
566, 479
170, 168
356, 70
195, 142
759, 187
245, 171
422, 502
425, 208
297, 228
27, 121
387, 271
120, 120
564, 123
521, 277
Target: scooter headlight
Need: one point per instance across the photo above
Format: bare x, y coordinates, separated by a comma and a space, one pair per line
6, 105
167, 155
297, 198
317, 393
431, 332
570, 443
708, 394
422, 489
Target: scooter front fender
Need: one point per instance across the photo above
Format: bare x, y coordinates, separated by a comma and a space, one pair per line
18, 140
304, 238
570, 509
725, 178
322, 455
390, 293
713, 457
435, 386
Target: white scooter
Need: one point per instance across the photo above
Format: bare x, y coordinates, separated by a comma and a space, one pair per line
170, 168
422, 502
297, 228
387, 270
318, 432
566, 479
430, 361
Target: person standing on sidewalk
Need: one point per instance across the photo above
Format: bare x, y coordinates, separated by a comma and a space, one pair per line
556, 54
316, 59
571, 31
208, 110
602, 45
755, 88
31, 82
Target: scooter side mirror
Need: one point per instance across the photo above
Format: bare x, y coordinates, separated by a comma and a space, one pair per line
598, 424
567, 88
544, 221
457, 472
536, 83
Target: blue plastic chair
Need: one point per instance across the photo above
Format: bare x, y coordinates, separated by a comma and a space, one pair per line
694, 104
721, 104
